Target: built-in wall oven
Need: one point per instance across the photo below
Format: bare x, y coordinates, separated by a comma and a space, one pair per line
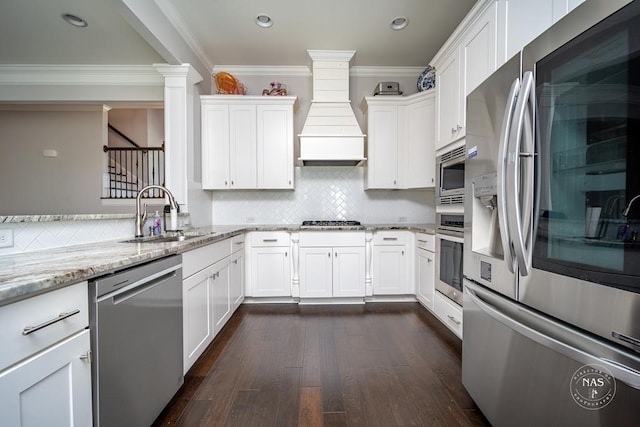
449, 251
450, 177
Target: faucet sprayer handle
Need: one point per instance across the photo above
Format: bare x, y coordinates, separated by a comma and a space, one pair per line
143, 216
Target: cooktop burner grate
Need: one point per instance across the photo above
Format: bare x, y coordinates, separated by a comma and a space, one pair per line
330, 223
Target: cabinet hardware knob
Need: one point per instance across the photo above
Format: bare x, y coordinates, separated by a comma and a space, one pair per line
231, 182
336, 254
453, 319
402, 253
429, 260
329, 254
86, 357
286, 254
225, 183
31, 329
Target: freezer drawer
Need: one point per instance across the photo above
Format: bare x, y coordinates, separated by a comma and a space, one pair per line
521, 368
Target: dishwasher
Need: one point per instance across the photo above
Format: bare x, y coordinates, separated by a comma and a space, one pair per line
136, 330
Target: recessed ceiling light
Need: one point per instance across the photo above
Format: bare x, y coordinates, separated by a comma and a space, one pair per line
264, 21
74, 20
399, 23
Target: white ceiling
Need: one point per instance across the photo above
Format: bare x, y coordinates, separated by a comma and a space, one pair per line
223, 32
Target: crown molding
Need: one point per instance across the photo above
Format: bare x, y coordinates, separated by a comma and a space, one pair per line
79, 75
284, 70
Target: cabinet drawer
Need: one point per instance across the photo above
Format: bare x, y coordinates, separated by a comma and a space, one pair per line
197, 259
389, 238
237, 243
53, 317
449, 313
270, 238
426, 241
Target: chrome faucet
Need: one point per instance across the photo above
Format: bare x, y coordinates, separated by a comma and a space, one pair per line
625, 213
142, 217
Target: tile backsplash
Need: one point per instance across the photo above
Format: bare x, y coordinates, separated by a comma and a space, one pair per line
331, 192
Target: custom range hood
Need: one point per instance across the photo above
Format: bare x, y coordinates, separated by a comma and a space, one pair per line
331, 135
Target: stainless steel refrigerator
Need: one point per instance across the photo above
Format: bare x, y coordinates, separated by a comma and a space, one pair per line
552, 216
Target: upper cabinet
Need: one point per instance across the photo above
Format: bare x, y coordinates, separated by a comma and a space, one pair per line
525, 20
400, 141
247, 142
460, 67
492, 32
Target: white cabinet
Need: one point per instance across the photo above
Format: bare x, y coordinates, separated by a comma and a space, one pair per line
332, 264
525, 20
400, 141
448, 100
247, 142
425, 269
45, 376
269, 264
392, 264
212, 289
237, 271
463, 63
449, 313
52, 388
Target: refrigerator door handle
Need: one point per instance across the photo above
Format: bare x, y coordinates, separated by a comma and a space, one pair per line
622, 373
501, 176
520, 188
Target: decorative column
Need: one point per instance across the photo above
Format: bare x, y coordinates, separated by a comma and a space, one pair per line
178, 126
295, 252
368, 286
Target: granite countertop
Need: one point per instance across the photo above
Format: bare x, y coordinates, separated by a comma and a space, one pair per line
27, 274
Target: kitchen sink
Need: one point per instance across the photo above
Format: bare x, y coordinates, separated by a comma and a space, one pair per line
167, 238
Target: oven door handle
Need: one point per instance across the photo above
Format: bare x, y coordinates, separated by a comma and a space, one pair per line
501, 176
453, 236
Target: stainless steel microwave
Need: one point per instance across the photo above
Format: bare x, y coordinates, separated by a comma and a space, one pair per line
450, 177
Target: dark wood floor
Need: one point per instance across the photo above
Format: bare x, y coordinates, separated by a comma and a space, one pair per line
379, 364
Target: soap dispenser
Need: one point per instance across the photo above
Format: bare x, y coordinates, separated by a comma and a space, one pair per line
157, 225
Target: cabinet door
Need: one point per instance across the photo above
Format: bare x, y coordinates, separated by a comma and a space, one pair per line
526, 20
382, 151
389, 270
275, 146
316, 273
236, 279
51, 389
220, 295
242, 146
425, 273
448, 100
419, 148
215, 147
478, 55
270, 272
348, 272
197, 316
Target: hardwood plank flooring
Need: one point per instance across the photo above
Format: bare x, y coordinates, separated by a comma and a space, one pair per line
378, 364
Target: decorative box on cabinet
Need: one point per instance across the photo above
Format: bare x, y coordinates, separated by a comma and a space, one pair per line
400, 141
45, 376
247, 142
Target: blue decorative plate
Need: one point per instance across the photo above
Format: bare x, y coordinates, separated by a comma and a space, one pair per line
427, 79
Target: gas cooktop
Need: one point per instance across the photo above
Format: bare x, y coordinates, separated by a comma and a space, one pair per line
330, 223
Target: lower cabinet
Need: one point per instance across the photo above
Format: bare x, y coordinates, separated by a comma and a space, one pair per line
270, 264
327, 272
449, 313
45, 374
212, 289
52, 388
391, 264
425, 269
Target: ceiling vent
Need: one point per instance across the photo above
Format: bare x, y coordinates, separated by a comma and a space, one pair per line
331, 135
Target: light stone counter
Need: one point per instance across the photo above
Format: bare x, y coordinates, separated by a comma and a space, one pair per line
27, 274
